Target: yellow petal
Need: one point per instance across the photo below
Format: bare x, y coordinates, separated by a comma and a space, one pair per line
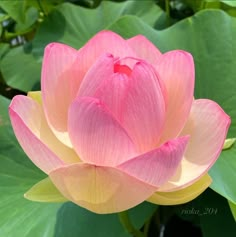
44, 191
181, 196
228, 143
36, 96
233, 209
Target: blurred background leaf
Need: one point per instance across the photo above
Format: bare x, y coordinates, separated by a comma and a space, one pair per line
102, 225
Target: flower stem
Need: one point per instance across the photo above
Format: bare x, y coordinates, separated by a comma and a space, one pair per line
126, 222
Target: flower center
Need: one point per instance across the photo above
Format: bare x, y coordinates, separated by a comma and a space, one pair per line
122, 69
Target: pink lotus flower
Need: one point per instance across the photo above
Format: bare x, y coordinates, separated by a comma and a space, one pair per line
118, 124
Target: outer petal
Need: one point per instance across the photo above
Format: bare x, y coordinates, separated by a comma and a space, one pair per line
96, 135
60, 84
63, 152
145, 49
183, 195
100, 189
35, 136
105, 42
144, 107
26, 117
207, 125
157, 166
176, 69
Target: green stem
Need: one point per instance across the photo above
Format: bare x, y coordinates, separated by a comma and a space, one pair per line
126, 222
146, 226
167, 8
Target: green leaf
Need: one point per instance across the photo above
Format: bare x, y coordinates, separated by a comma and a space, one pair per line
4, 47
211, 213
20, 69
14, 8
75, 25
18, 216
223, 173
141, 213
231, 3
216, 218
74, 221
31, 16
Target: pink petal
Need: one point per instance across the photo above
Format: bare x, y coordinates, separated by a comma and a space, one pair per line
136, 99
26, 118
63, 70
97, 137
103, 68
207, 125
105, 42
143, 108
100, 189
60, 84
176, 69
157, 166
113, 92
144, 49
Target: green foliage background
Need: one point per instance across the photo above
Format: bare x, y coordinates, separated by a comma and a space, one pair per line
205, 28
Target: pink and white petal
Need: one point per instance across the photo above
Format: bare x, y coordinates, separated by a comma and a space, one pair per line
26, 116
60, 84
144, 107
102, 69
100, 189
182, 195
207, 125
68, 155
157, 166
176, 69
145, 49
96, 135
